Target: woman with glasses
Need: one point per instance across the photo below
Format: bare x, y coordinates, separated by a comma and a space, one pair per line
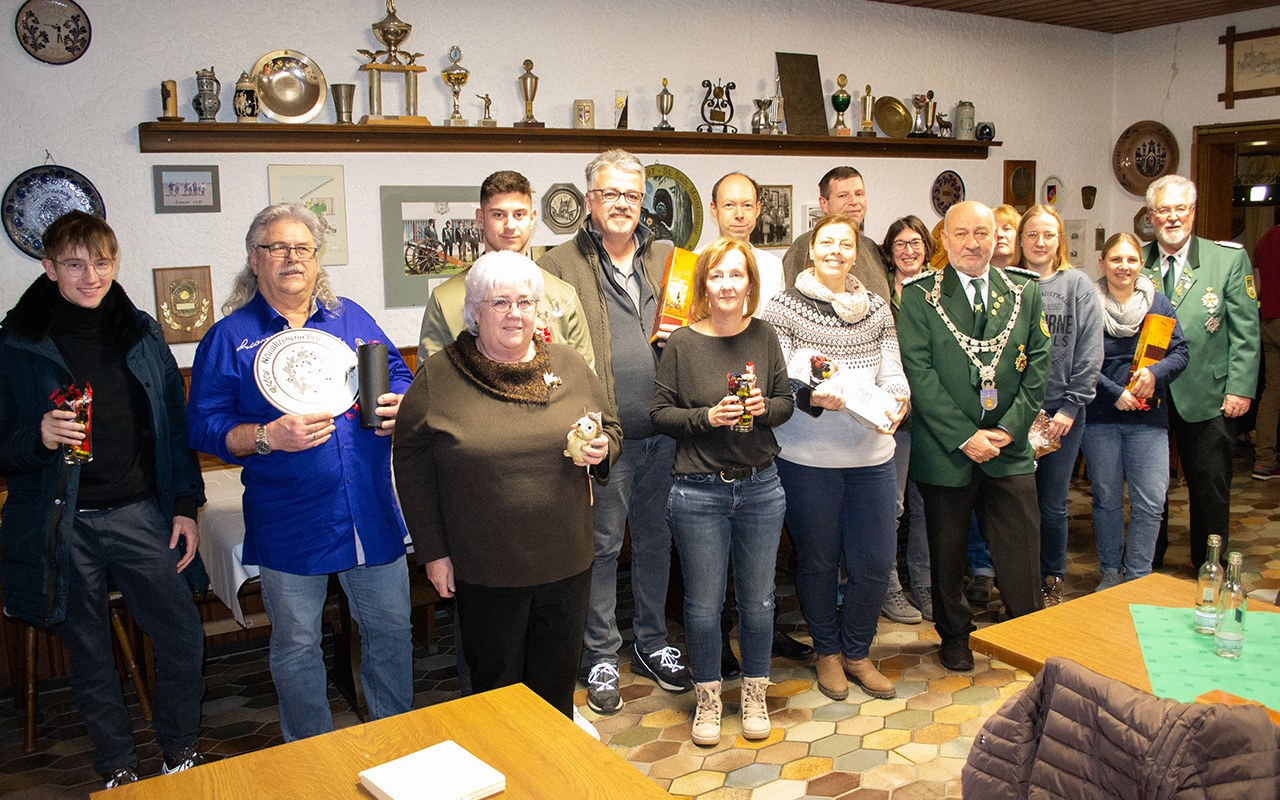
1074, 322
720, 391
499, 512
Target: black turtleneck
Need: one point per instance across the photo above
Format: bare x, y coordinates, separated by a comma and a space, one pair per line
123, 469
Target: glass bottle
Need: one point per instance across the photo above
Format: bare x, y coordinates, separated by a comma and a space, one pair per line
1228, 637
1208, 583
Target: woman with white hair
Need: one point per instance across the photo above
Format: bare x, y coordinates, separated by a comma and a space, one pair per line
499, 514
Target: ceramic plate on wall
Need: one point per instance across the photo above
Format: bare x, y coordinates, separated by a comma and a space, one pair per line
1145, 151
892, 116
562, 208
39, 196
307, 371
291, 87
54, 31
948, 189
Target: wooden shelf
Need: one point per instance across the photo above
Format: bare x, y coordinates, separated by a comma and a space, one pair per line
266, 137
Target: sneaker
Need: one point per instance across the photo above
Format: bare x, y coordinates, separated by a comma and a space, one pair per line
706, 719
185, 759
755, 711
979, 589
923, 601
603, 696
1052, 590
120, 777
1110, 577
896, 608
1261, 473
582, 722
663, 667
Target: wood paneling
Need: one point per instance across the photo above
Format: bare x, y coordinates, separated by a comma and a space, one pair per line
1106, 16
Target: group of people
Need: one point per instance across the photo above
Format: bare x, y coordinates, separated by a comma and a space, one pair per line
550, 415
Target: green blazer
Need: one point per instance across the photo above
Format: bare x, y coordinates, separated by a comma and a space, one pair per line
944, 382
1218, 311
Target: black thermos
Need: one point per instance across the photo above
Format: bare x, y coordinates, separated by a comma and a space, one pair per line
375, 381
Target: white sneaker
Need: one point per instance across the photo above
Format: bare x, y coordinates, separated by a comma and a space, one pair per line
582, 722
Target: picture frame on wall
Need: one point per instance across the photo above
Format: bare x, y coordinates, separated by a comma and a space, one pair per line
809, 216
322, 189
1020, 184
192, 189
414, 249
773, 226
1251, 60
184, 302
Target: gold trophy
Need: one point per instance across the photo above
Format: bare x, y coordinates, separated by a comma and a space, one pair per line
528, 90
455, 75
391, 32
666, 100
867, 106
840, 101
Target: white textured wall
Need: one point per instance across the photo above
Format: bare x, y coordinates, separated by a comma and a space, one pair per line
1056, 95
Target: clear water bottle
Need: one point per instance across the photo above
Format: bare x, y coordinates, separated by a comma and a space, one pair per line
1228, 637
1208, 583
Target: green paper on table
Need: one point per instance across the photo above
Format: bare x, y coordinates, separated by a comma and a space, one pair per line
1182, 665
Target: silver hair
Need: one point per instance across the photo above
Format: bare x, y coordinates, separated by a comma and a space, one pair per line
1175, 183
245, 284
618, 159
493, 271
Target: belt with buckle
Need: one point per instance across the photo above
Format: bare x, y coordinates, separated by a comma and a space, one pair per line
738, 473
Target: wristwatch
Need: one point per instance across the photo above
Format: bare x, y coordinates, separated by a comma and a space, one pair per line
260, 445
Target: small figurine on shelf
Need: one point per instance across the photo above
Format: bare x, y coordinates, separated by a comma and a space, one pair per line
717, 108
486, 121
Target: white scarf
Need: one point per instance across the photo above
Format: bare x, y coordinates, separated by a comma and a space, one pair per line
1125, 320
850, 305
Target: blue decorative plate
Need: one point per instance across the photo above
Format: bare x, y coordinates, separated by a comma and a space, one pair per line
39, 196
947, 190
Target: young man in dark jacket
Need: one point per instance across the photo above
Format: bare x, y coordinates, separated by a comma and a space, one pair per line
69, 529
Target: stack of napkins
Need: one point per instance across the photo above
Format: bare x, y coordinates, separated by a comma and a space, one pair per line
444, 771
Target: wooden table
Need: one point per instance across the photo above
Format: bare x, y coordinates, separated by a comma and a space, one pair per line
1095, 630
543, 755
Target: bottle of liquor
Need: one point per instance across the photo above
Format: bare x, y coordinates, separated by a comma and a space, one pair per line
1207, 585
1228, 637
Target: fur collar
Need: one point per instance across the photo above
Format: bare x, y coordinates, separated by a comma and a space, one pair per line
525, 382
32, 317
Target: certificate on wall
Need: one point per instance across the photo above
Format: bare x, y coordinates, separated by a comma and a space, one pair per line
321, 189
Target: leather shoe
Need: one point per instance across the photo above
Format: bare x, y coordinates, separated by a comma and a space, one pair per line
979, 590
956, 656
786, 647
865, 674
831, 680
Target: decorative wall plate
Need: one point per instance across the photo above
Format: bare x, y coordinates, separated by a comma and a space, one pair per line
1145, 151
39, 196
1052, 192
1020, 184
562, 208
892, 116
54, 31
672, 208
307, 371
291, 87
948, 189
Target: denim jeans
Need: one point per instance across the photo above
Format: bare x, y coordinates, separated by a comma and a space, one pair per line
978, 556
639, 483
908, 495
379, 598
1116, 452
1053, 481
130, 544
835, 510
711, 519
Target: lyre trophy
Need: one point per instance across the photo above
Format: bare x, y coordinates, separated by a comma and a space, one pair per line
528, 90
391, 32
455, 75
717, 108
666, 101
840, 101
868, 104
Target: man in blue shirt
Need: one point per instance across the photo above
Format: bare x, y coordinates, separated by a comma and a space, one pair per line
318, 497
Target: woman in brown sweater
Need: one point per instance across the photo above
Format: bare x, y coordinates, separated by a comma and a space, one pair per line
500, 517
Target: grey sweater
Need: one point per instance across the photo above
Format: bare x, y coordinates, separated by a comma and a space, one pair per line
1074, 317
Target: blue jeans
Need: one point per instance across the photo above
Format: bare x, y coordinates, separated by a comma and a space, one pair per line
710, 519
379, 598
908, 495
978, 555
1053, 481
639, 483
1140, 454
834, 510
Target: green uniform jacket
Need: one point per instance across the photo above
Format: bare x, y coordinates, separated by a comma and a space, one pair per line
1213, 293
945, 381
559, 310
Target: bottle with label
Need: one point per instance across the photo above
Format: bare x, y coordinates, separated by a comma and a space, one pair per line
1207, 585
1228, 637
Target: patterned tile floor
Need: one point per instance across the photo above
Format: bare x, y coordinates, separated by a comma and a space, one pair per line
909, 748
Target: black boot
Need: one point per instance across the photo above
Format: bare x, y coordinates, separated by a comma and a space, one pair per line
786, 647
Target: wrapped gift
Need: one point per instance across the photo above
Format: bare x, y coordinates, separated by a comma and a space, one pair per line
677, 290
1153, 343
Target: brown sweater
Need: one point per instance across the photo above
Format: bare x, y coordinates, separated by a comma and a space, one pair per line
483, 480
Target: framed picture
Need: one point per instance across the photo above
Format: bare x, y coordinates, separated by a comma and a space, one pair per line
186, 189
427, 232
1020, 184
184, 302
321, 189
1142, 227
773, 227
672, 208
1253, 65
809, 216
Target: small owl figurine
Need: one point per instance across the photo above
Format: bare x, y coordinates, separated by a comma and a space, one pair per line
584, 430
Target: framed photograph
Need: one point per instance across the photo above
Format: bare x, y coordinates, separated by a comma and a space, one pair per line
1142, 227
773, 227
184, 302
427, 232
809, 216
321, 189
1253, 65
186, 189
1020, 184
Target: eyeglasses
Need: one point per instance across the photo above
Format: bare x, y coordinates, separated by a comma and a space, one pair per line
503, 304
76, 269
1048, 237
1164, 212
903, 244
612, 195
281, 250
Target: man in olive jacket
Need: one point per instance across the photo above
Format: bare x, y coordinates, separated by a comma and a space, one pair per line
969, 449
1211, 286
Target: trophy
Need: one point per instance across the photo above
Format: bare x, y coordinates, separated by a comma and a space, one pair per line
528, 90
840, 101
868, 106
391, 32
717, 108
486, 121
926, 108
455, 75
666, 100
779, 115
621, 105
760, 122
